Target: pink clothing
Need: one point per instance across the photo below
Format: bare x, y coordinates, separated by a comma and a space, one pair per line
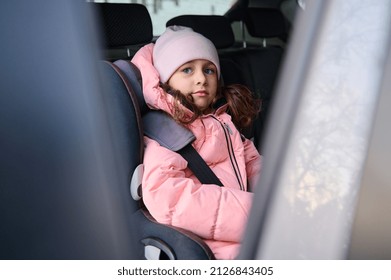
174, 196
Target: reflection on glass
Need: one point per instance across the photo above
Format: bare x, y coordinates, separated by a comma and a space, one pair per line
337, 109
314, 203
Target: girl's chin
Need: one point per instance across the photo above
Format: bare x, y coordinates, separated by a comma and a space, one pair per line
202, 103
202, 106
205, 109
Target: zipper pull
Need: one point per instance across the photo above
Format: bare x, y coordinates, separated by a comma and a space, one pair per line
228, 128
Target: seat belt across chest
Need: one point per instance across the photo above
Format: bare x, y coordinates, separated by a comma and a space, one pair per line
162, 128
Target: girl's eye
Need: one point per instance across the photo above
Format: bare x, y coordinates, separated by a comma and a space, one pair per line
209, 71
186, 70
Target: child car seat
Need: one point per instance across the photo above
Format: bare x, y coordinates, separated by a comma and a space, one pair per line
129, 26
122, 98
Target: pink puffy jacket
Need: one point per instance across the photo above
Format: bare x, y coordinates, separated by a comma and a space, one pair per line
174, 196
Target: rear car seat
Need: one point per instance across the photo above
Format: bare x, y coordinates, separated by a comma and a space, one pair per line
264, 61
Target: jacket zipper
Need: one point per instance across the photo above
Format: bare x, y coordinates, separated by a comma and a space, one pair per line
227, 130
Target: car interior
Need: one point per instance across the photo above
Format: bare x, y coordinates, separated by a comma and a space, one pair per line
72, 120
243, 65
112, 84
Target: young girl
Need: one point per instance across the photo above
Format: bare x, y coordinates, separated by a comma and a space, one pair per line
181, 76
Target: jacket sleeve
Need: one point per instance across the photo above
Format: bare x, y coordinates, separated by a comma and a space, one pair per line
210, 211
253, 164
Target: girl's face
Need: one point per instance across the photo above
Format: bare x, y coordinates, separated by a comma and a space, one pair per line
197, 78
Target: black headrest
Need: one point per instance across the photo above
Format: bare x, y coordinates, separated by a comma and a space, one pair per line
125, 24
216, 28
265, 22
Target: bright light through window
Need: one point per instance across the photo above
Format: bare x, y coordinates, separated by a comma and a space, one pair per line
163, 10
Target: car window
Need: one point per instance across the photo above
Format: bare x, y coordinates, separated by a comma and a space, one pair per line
339, 48
162, 11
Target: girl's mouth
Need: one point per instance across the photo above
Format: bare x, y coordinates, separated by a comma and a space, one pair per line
201, 93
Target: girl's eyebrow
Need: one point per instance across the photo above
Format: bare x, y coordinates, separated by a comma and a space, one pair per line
187, 64
208, 64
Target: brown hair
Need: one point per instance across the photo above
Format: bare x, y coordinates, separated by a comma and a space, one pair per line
242, 104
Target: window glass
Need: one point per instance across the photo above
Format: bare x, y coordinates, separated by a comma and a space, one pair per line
162, 11
315, 197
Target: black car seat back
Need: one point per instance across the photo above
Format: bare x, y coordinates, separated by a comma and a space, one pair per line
265, 60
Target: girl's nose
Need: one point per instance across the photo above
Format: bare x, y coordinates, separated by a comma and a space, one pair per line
200, 78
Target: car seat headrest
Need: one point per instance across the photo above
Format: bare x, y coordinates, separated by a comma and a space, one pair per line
125, 24
265, 22
216, 28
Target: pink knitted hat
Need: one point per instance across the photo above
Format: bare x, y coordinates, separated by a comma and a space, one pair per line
178, 45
